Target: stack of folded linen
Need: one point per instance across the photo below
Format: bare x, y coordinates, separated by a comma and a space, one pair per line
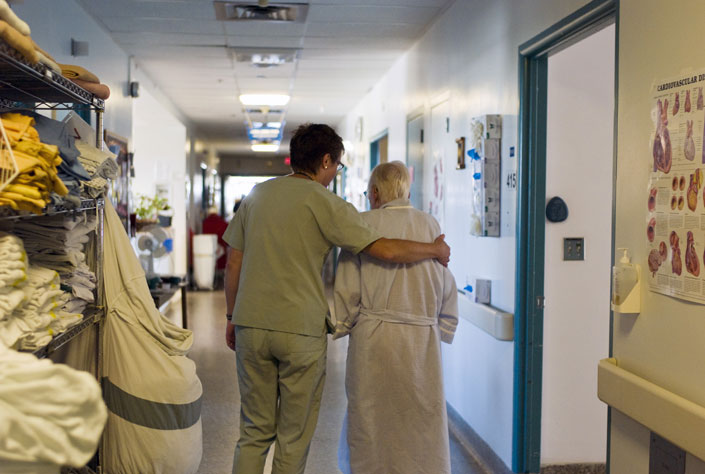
58, 243
41, 317
37, 162
30, 312
100, 165
51, 415
85, 79
16, 33
13, 273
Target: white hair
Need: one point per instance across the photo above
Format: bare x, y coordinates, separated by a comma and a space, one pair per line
391, 180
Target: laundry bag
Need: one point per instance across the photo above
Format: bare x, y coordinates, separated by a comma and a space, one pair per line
149, 385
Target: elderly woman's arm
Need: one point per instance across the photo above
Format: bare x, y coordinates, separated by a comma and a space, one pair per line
347, 293
407, 251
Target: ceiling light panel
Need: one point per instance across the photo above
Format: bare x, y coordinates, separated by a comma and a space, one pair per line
265, 57
265, 147
270, 100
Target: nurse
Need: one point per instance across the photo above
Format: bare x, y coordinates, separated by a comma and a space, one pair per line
397, 315
276, 308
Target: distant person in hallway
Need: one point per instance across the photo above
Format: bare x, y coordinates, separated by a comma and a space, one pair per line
279, 239
214, 224
396, 316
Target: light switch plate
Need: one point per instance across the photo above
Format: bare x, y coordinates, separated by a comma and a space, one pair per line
573, 248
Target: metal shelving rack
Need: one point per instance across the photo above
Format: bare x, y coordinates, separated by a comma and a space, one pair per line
36, 86
22, 84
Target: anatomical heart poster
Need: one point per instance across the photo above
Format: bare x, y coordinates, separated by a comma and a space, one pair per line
675, 197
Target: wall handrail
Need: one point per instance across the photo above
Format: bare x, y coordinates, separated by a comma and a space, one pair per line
495, 322
671, 416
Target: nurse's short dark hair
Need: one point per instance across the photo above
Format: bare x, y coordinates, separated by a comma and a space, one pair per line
310, 144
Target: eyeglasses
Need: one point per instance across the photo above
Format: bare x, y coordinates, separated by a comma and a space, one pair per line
341, 167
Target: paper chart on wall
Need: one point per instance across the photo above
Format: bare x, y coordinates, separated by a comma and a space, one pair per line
436, 205
675, 201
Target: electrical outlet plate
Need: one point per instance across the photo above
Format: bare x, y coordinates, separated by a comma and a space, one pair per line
573, 248
665, 457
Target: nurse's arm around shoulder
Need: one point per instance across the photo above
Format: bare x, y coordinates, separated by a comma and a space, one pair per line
408, 251
232, 282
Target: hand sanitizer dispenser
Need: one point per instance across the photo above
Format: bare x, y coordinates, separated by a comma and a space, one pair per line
626, 285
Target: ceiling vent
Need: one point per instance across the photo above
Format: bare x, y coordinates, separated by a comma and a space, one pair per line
260, 11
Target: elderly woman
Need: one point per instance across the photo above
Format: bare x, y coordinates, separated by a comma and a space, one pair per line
276, 308
396, 316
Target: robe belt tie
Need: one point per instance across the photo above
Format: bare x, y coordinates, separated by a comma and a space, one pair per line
399, 318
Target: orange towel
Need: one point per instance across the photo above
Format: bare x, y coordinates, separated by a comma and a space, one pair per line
20, 42
99, 90
71, 71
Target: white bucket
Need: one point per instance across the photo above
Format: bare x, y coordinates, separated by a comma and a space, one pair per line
205, 248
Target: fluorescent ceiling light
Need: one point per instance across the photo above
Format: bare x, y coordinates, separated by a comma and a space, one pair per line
262, 133
264, 99
265, 147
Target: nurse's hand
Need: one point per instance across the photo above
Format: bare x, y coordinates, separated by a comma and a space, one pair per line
230, 336
443, 255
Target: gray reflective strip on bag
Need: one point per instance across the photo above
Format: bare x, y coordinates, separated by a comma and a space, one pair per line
156, 415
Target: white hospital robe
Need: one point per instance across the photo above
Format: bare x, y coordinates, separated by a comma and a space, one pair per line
396, 316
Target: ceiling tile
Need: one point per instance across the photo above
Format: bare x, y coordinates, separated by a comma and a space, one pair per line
372, 14
171, 39
348, 30
162, 25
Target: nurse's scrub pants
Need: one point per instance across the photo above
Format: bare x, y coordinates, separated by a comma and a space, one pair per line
281, 378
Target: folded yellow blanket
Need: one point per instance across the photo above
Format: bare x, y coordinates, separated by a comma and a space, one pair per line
18, 198
30, 192
17, 126
21, 205
20, 42
71, 71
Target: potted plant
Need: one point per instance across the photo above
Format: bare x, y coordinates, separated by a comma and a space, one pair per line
164, 212
152, 210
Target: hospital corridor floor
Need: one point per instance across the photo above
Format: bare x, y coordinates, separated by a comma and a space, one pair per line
215, 364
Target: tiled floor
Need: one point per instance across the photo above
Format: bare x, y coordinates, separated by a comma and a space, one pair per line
216, 369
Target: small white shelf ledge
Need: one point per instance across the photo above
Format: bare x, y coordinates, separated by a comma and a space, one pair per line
495, 322
671, 416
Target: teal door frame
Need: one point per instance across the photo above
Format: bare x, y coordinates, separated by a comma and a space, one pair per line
374, 148
528, 321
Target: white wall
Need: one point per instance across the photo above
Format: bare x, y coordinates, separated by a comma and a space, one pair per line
54, 23
664, 343
470, 57
159, 145
579, 161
